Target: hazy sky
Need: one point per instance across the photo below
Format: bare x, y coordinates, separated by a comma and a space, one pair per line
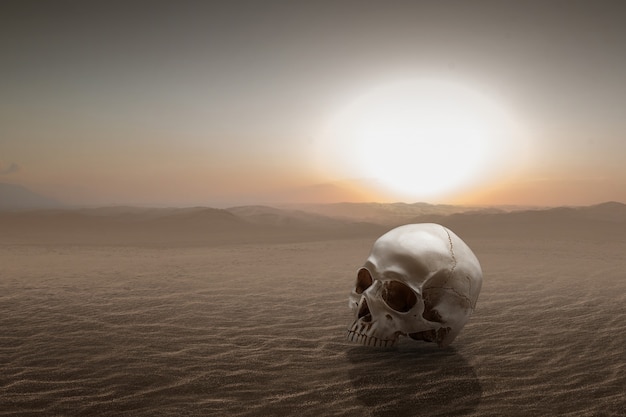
220, 103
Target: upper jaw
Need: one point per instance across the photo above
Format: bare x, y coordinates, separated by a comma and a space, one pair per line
360, 333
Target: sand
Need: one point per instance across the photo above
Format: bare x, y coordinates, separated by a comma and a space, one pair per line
258, 328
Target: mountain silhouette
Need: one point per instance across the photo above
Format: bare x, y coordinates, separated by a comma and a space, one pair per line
17, 197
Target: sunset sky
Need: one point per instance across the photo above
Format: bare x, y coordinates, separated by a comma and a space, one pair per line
232, 102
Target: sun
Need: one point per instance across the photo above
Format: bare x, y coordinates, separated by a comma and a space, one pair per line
420, 139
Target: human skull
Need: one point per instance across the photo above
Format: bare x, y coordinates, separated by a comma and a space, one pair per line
420, 280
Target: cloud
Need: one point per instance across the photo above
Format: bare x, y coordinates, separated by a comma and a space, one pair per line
10, 169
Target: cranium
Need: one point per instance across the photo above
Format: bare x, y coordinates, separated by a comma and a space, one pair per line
421, 281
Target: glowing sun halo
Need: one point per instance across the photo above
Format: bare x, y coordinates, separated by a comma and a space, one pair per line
420, 138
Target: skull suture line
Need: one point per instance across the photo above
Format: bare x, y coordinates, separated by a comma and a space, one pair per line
421, 281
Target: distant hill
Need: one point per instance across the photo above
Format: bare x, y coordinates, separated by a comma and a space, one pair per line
609, 211
16, 197
270, 216
164, 226
606, 221
347, 190
209, 226
382, 213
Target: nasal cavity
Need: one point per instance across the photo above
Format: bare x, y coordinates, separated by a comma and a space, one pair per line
364, 311
363, 280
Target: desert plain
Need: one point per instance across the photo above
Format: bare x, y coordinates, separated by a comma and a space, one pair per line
243, 312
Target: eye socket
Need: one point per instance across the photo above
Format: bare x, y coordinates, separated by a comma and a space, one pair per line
398, 296
363, 280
